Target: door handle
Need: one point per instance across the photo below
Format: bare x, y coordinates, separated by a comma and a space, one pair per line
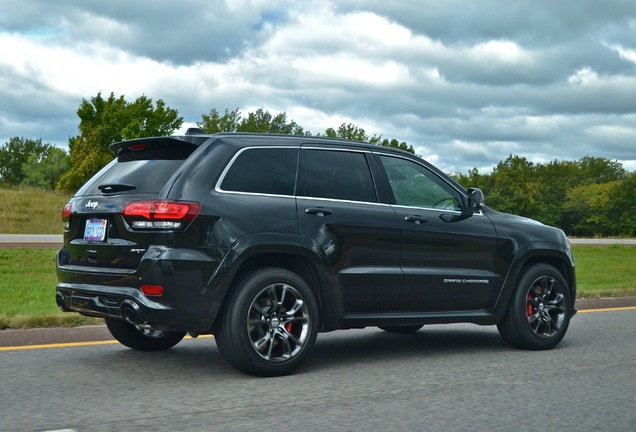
318, 211
416, 219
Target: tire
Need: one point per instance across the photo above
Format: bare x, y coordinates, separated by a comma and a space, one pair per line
269, 326
539, 312
142, 339
401, 329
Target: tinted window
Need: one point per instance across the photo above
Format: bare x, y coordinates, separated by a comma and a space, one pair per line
337, 175
146, 170
263, 170
414, 185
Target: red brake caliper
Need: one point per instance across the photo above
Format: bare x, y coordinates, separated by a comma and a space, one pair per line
529, 308
288, 327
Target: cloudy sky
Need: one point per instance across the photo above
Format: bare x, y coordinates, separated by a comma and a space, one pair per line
465, 82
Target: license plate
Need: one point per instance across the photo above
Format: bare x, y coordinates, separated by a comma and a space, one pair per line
95, 229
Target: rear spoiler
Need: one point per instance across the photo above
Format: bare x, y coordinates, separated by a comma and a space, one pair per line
139, 144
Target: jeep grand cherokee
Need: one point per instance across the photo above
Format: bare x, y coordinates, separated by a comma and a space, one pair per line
266, 240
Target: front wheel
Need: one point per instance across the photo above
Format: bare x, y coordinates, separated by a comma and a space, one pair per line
141, 338
540, 310
270, 324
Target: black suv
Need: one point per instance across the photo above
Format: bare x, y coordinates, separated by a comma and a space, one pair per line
266, 240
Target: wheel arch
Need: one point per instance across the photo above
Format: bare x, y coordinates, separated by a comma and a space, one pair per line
291, 258
556, 257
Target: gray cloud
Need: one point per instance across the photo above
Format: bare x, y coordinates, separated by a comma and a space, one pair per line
178, 32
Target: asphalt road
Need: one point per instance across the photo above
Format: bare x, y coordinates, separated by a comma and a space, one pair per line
43, 241
459, 377
442, 378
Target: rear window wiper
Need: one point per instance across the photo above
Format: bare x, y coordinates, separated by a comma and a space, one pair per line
115, 187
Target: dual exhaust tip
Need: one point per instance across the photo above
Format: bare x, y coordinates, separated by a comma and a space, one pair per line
129, 310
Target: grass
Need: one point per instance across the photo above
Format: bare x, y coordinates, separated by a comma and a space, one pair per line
31, 210
28, 280
608, 271
27, 292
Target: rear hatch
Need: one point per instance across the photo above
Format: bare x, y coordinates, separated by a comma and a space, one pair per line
110, 222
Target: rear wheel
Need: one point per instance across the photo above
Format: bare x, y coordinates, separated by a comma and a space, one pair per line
540, 310
270, 323
142, 338
401, 329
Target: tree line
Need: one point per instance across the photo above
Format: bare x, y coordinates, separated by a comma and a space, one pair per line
589, 197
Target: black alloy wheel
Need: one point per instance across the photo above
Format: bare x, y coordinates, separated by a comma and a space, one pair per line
270, 324
539, 312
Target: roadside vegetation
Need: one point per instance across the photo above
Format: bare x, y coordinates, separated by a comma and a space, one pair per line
606, 271
591, 197
29, 210
27, 297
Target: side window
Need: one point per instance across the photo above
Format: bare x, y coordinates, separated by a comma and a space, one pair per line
414, 185
263, 170
337, 175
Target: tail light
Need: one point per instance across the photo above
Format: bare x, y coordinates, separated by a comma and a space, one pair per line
66, 216
160, 214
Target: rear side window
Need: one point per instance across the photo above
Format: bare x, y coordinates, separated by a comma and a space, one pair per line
144, 171
336, 175
269, 171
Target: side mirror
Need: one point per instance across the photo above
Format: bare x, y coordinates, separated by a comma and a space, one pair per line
475, 199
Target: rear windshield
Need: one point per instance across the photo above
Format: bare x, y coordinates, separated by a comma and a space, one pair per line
146, 172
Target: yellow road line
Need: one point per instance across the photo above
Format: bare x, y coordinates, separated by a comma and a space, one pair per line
57, 345
72, 344
608, 309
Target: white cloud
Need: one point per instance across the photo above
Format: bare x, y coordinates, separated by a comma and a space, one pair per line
583, 77
500, 52
625, 53
343, 70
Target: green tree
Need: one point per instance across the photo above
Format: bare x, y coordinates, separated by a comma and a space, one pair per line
597, 204
215, 123
600, 170
349, 131
262, 121
14, 154
107, 121
44, 170
394, 144
473, 179
621, 207
514, 188
554, 179
555, 193
586, 206
259, 121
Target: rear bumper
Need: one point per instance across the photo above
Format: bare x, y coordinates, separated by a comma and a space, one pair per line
123, 303
189, 301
